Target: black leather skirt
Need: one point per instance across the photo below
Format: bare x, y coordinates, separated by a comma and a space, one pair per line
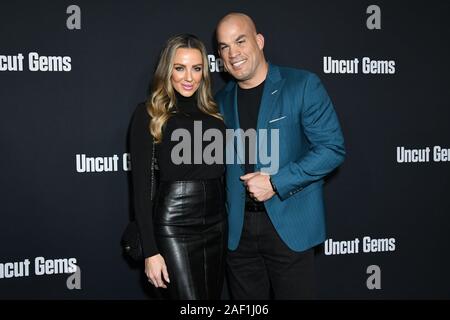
191, 234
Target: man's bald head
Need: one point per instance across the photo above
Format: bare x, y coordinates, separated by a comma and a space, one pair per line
241, 19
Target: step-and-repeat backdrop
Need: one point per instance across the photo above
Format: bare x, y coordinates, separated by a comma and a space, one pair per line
72, 73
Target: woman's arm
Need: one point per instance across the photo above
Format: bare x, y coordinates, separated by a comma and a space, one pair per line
141, 154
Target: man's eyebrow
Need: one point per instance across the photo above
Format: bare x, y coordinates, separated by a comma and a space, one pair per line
240, 37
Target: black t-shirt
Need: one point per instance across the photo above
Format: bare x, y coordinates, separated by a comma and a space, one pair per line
248, 101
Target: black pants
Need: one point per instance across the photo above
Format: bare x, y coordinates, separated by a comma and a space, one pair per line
263, 267
191, 234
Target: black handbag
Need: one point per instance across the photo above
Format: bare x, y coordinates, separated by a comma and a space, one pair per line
131, 242
131, 238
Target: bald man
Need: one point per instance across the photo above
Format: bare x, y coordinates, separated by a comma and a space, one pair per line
276, 215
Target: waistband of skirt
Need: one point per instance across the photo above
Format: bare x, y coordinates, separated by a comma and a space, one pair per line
191, 182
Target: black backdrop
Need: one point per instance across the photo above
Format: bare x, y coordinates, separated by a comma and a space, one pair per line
49, 209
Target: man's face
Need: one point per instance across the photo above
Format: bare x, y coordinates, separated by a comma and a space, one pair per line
240, 48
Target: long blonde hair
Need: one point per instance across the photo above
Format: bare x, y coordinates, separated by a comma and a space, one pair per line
163, 98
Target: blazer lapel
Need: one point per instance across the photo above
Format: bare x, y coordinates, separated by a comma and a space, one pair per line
233, 115
272, 90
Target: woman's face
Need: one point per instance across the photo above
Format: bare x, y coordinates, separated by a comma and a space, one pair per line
187, 71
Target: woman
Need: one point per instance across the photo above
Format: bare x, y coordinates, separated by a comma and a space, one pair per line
184, 232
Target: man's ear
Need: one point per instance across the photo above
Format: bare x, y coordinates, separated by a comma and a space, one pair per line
260, 41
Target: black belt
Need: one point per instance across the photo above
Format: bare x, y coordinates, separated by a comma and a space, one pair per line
253, 206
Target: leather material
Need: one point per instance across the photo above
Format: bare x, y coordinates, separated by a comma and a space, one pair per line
191, 234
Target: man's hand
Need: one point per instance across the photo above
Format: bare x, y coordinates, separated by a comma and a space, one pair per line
258, 185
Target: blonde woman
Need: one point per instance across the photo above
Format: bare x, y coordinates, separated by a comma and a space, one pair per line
183, 229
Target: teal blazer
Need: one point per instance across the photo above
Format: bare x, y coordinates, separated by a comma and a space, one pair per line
311, 145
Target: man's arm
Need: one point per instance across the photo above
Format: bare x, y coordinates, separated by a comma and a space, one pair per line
322, 129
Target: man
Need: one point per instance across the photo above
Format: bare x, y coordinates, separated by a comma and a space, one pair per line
275, 219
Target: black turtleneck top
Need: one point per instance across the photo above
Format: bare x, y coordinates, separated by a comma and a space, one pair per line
188, 147
183, 116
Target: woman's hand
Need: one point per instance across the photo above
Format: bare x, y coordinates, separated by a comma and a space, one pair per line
156, 270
